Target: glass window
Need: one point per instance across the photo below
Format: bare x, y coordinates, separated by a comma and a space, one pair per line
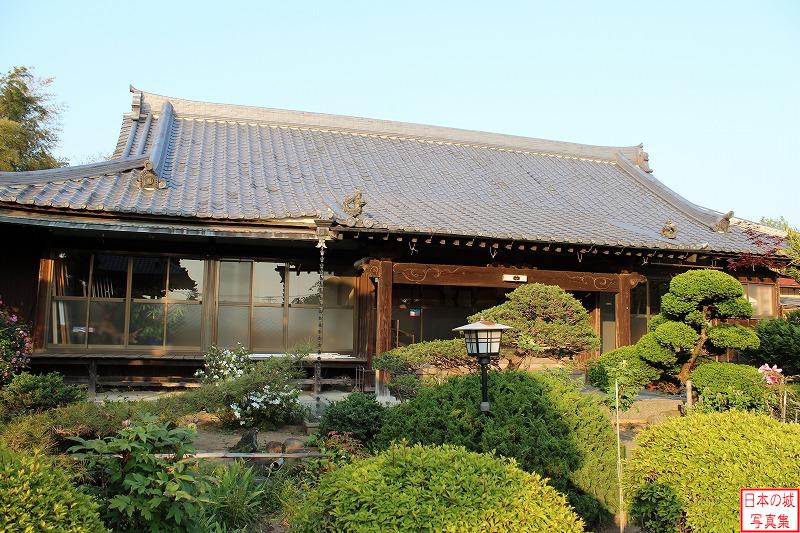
275, 325
71, 274
106, 323
268, 329
762, 296
233, 326
109, 276
184, 324
186, 277
148, 278
234, 281
91, 301
146, 324
303, 287
68, 322
268, 283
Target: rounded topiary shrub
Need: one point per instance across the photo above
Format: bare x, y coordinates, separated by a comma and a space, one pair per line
547, 321
36, 495
689, 470
724, 386
540, 419
432, 488
359, 414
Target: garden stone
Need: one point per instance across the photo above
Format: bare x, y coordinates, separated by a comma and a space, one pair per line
274, 446
248, 443
293, 445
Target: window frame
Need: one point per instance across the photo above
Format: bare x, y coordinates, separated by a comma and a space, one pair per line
127, 301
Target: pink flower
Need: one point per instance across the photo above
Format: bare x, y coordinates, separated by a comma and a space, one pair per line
13, 318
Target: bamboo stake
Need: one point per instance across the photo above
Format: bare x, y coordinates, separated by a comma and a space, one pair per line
619, 461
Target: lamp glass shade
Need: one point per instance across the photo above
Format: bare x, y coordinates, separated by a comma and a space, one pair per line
483, 342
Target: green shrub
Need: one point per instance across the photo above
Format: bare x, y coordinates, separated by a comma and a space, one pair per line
359, 414
654, 353
404, 386
687, 327
38, 495
540, 419
656, 508
547, 321
15, 344
139, 489
52, 431
624, 366
234, 497
780, 345
264, 396
433, 489
724, 386
29, 392
438, 353
703, 460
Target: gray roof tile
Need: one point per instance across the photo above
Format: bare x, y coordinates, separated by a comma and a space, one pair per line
242, 163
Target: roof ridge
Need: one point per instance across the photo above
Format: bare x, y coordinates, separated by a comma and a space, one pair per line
151, 103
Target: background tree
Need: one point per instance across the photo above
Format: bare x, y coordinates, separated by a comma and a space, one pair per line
689, 325
28, 122
547, 321
791, 246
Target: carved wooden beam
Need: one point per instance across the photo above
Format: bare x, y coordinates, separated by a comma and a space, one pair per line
476, 276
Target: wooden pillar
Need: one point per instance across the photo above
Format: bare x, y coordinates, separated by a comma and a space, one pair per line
623, 307
40, 312
383, 337
366, 311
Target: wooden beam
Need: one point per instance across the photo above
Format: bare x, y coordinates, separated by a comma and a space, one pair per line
383, 336
476, 276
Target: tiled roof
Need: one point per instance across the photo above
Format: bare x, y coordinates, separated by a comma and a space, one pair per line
250, 164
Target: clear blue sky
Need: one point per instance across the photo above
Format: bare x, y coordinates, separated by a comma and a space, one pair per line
711, 88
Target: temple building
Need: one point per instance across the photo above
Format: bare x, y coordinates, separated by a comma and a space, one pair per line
214, 224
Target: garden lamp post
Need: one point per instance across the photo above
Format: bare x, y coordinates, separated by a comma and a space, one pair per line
483, 342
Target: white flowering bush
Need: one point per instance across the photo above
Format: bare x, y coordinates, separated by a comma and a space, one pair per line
268, 405
223, 363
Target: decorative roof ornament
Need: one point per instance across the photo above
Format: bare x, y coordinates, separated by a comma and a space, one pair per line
669, 230
148, 180
643, 159
136, 104
354, 204
724, 223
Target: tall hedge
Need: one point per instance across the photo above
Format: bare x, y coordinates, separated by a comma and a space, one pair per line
540, 419
436, 489
689, 470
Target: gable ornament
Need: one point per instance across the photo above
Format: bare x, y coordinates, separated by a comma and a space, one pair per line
148, 180
669, 230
